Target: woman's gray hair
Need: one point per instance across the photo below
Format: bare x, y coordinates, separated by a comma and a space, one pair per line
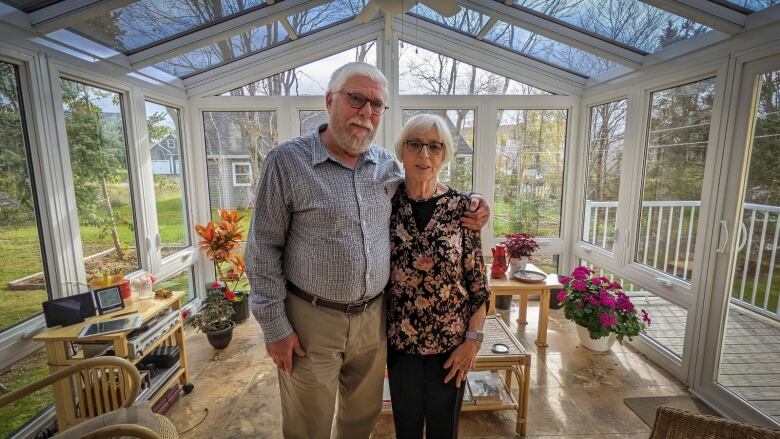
350, 70
420, 124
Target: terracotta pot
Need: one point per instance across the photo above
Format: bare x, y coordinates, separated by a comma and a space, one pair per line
220, 339
603, 344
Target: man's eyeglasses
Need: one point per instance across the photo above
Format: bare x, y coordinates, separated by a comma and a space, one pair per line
357, 102
434, 148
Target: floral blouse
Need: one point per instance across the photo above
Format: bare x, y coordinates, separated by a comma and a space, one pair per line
437, 277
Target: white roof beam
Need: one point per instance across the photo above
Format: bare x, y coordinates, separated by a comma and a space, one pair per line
69, 12
220, 31
708, 13
554, 30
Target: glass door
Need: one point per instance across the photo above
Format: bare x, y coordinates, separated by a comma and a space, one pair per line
742, 356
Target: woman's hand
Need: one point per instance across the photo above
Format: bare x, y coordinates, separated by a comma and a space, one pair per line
461, 361
478, 213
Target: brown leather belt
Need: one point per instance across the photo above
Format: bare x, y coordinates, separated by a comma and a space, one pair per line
347, 308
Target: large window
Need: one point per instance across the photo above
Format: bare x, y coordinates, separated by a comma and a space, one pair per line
181, 281
22, 276
94, 120
422, 72
677, 136
234, 139
605, 155
458, 172
309, 79
168, 173
23, 282
530, 151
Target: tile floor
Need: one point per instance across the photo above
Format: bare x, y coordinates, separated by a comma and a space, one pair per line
574, 393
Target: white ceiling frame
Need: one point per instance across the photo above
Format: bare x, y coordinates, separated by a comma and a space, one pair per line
69, 12
304, 50
219, 31
487, 56
556, 31
708, 13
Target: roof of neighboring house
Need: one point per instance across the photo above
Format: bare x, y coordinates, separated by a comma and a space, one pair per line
164, 145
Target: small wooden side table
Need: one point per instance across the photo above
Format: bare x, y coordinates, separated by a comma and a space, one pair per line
516, 362
512, 287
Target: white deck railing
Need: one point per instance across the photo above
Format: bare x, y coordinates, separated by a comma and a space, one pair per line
667, 239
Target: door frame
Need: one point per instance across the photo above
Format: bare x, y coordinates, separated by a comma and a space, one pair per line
734, 168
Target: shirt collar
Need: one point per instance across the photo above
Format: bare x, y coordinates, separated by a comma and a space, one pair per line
322, 154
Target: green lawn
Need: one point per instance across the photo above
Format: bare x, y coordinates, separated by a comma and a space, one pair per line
30, 369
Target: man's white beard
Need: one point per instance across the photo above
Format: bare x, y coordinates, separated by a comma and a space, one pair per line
352, 144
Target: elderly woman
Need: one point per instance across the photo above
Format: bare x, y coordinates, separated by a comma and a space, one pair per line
437, 289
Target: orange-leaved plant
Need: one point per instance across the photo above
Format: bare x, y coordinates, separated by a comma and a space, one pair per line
219, 241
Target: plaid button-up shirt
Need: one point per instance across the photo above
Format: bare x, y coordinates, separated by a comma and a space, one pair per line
320, 225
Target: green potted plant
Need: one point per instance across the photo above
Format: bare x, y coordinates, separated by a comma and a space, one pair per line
213, 318
219, 242
600, 308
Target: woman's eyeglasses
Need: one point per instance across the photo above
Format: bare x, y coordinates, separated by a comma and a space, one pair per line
357, 102
434, 148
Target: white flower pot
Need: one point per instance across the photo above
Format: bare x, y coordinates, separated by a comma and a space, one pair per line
516, 264
603, 344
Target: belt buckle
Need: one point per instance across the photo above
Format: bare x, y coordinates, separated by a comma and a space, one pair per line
357, 306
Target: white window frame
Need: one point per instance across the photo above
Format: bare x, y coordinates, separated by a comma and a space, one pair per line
242, 174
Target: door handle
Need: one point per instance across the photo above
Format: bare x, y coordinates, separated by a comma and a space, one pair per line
724, 236
740, 235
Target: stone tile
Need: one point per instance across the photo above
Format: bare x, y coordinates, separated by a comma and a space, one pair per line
189, 410
605, 407
254, 416
552, 411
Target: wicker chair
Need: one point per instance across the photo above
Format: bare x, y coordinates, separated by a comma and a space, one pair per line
106, 384
671, 423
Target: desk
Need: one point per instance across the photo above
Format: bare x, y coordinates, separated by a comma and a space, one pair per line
511, 287
58, 339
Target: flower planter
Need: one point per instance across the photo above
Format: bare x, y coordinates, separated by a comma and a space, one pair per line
603, 344
220, 339
240, 309
516, 264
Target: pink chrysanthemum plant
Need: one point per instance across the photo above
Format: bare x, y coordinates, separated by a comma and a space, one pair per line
600, 305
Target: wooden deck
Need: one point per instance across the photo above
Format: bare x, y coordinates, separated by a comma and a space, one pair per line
750, 359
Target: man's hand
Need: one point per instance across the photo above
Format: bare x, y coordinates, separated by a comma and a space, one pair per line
281, 352
478, 213
461, 361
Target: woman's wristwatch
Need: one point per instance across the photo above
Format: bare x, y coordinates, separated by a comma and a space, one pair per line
475, 335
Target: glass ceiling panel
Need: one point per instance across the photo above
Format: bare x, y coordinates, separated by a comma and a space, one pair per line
29, 5
309, 79
221, 52
325, 15
465, 21
630, 22
420, 74
546, 50
753, 5
146, 22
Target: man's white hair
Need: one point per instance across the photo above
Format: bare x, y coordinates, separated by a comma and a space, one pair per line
353, 69
420, 124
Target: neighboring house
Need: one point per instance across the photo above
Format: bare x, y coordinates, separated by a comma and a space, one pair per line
165, 157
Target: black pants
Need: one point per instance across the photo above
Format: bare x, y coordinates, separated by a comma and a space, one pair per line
420, 396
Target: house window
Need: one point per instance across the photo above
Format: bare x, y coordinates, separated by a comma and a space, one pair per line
242, 174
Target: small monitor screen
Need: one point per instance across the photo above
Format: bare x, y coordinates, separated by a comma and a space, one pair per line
108, 299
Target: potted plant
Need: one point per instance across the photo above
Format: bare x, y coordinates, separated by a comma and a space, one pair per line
213, 318
520, 247
219, 241
600, 308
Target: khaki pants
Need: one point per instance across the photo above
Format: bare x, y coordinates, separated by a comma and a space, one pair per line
345, 357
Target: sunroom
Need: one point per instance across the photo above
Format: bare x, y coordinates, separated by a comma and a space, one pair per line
639, 138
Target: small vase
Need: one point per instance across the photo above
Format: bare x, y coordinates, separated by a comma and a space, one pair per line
516, 264
603, 344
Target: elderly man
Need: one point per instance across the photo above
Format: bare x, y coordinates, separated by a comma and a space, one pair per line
321, 233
